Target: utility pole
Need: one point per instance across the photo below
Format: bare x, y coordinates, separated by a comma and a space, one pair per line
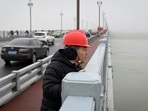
78, 14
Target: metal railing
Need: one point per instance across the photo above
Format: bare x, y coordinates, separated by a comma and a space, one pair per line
16, 82
91, 90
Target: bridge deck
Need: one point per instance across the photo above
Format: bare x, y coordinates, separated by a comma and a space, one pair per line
30, 99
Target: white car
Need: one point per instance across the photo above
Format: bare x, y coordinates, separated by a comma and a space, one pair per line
44, 37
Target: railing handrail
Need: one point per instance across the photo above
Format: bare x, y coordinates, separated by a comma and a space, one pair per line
18, 80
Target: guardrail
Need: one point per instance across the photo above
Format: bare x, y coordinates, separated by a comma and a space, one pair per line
91, 90
16, 82
19, 80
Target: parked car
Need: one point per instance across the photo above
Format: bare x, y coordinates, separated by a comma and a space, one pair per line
24, 49
44, 37
88, 34
57, 34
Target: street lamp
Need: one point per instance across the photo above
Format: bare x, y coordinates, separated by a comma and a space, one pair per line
99, 3
30, 4
61, 14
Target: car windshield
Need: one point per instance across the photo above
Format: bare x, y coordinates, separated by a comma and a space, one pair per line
39, 34
22, 42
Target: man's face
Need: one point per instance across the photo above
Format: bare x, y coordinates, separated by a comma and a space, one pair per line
82, 53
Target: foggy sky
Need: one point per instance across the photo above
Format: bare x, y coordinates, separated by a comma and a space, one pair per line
121, 15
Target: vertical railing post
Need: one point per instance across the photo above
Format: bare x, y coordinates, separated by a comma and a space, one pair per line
17, 87
83, 84
41, 66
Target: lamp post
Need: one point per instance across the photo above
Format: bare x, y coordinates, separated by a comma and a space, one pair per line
99, 3
61, 14
30, 4
78, 14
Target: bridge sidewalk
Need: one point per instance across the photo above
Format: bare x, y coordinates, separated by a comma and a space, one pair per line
30, 99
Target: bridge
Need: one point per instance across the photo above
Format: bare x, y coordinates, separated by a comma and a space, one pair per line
129, 61
21, 90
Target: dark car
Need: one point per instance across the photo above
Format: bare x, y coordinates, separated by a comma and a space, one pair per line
24, 49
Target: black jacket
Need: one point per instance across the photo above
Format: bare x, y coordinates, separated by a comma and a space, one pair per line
55, 72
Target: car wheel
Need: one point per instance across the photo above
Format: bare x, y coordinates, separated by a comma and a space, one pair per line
34, 58
7, 62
